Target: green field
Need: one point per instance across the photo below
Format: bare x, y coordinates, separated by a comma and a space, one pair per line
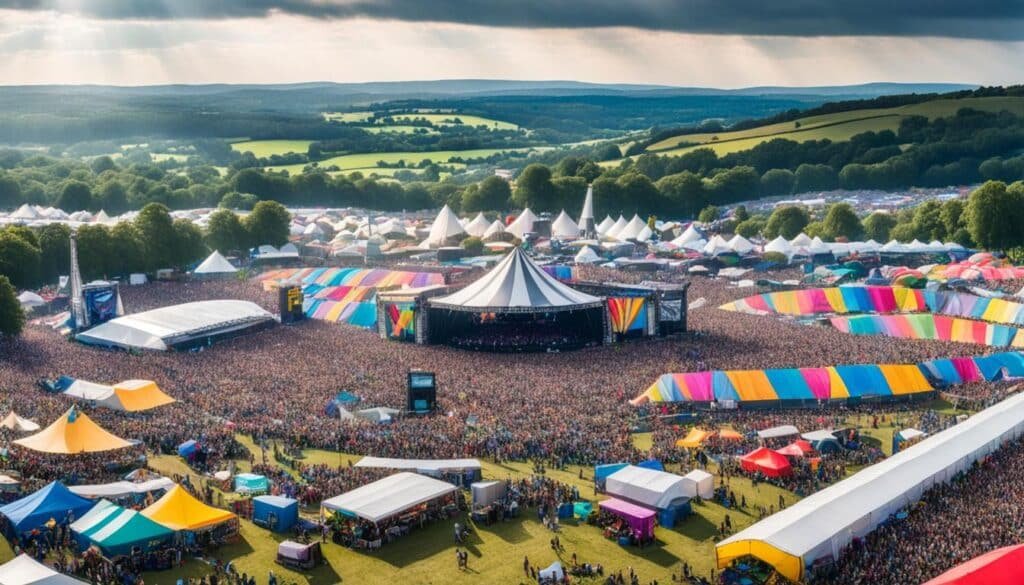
162, 156
347, 117
369, 160
265, 148
448, 120
835, 127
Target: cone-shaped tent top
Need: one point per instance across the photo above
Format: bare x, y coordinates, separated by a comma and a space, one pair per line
494, 229
690, 234
587, 255
101, 217
445, 226
516, 285
73, 432
587, 215
26, 211
215, 263
618, 226
564, 226
740, 244
522, 224
478, 226
179, 510
15, 423
780, 245
605, 225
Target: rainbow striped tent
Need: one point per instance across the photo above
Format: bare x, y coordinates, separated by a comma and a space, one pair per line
934, 327
831, 383
347, 295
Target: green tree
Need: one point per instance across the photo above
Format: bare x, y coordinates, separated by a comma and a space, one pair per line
156, 228
751, 228
878, 225
777, 182
683, 193
224, 232
473, 245
903, 232
995, 214
55, 251
842, 221
952, 216
534, 189
189, 242
95, 251
928, 224
75, 196
101, 164
112, 197
740, 214
786, 221
815, 178
708, 214
130, 256
12, 318
491, 194
10, 192
268, 224
19, 259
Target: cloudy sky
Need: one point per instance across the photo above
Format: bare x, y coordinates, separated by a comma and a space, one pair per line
716, 43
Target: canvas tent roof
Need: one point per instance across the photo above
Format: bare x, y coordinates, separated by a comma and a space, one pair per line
586, 255
1003, 566
522, 224
690, 234
161, 328
16, 423
430, 466
73, 432
605, 225
495, 228
119, 489
128, 396
631, 230
389, 496
179, 510
30, 299
564, 226
477, 227
647, 487
215, 263
516, 284
780, 245
779, 431
740, 245
53, 501
445, 226
618, 226
825, 522
116, 530
24, 570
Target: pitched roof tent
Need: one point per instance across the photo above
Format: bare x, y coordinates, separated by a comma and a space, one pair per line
516, 285
73, 432
564, 226
477, 227
523, 223
215, 263
445, 226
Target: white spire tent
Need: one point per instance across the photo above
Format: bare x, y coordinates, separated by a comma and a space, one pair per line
605, 225
717, 245
618, 226
740, 245
689, 235
101, 217
564, 226
445, 227
633, 229
516, 284
586, 223
215, 264
494, 230
586, 255
14, 422
26, 211
801, 241
522, 224
779, 245
478, 226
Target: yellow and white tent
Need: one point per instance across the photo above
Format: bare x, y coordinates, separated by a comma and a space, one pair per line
73, 432
128, 396
179, 510
15, 423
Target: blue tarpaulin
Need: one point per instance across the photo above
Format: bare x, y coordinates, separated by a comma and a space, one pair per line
54, 502
275, 512
187, 448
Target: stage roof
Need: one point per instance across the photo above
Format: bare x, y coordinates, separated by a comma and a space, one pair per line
389, 496
517, 285
162, 328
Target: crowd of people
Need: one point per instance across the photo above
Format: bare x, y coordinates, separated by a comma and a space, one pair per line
556, 408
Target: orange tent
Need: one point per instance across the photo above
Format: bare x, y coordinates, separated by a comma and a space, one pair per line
729, 435
73, 433
694, 439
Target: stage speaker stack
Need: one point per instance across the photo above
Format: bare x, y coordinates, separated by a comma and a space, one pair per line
422, 392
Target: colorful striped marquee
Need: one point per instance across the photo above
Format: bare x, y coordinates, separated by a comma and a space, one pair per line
830, 383
933, 327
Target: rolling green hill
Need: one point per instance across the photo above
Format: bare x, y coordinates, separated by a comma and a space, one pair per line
835, 127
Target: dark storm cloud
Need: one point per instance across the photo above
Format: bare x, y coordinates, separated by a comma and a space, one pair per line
981, 19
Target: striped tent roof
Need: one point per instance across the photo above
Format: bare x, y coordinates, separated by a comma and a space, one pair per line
516, 284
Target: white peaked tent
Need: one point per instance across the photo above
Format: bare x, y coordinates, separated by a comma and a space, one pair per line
313, 230
30, 300
779, 245
24, 570
477, 227
522, 224
605, 225
632, 230
15, 423
586, 255
101, 217
496, 228
564, 226
644, 235
587, 215
26, 211
740, 245
215, 263
716, 245
516, 284
446, 226
689, 235
801, 241
618, 226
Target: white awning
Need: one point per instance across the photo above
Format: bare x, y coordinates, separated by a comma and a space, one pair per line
389, 496
646, 487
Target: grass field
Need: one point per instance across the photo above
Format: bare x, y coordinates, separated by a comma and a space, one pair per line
835, 127
448, 119
369, 160
397, 129
347, 117
162, 156
265, 148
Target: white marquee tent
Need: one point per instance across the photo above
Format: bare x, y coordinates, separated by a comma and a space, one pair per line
215, 263
522, 224
646, 487
445, 226
699, 483
389, 496
477, 227
24, 570
564, 226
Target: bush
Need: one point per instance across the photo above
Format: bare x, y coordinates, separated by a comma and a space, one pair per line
473, 245
776, 257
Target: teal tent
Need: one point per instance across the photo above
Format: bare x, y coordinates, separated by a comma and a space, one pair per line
251, 483
116, 530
